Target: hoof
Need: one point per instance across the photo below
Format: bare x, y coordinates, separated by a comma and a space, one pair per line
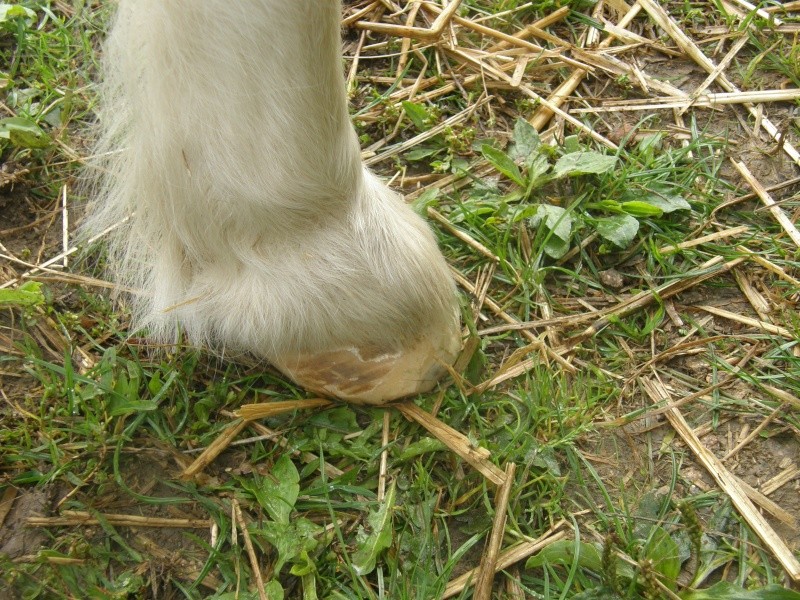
372, 376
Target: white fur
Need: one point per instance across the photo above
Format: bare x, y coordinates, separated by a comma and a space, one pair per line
255, 225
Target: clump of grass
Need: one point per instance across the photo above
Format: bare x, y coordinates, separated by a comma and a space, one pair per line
48, 50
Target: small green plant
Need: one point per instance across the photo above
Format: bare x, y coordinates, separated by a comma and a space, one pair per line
294, 538
648, 567
18, 131
445, 150
29, 295
530, 166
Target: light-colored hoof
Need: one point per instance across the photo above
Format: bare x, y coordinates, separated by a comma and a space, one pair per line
370, 376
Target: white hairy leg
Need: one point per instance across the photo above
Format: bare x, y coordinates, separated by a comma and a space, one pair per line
253, 224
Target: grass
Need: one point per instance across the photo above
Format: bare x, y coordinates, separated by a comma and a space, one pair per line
561, 229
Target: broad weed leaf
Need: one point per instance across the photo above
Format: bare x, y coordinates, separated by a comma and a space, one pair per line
28, 295
619, 229
418, 114
23, 133
664, 553
668, 202
15, 11
379, 538
503, 163
564, 552
556, 219
537, 166
526, 140
583, 163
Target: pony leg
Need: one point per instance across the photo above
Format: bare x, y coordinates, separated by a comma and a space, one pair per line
252, 224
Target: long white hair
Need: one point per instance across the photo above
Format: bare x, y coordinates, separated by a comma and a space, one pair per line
252, 224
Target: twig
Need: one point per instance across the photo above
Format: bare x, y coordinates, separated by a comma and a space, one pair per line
558, 97
534, 29
780, 479
701, 101
64, 226
251, 553
761, 12
307, 457
462, 235
420, 33
71, 518
512, 555
763, 502
783, 396
723, 64
765, 197
711, 237
384, 463
488, 566
61, 256
754, 433
660, 16
711, 268
514, 324
457, 442
768, 327
263, 410
658, 393
430, 133
214, 449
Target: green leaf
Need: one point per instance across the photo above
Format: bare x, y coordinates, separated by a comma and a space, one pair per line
425, 445
120, 406
564, 552
23, 133
418, 114
380, 538
427, 198
274, 590
283, 491
649, 145
619, 229
341, 419
727, 591
526, 140
555, 247
28, 295
503, 163
421, 153
572, 144
583, 163
537, 166
668, 202
293, 541
664, 553
309, 587
558, 222
277, 493
303, 565
556, 219
14, 11
641, 209
606, 206
660, 195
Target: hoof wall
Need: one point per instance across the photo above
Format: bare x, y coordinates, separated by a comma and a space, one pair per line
370, 376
